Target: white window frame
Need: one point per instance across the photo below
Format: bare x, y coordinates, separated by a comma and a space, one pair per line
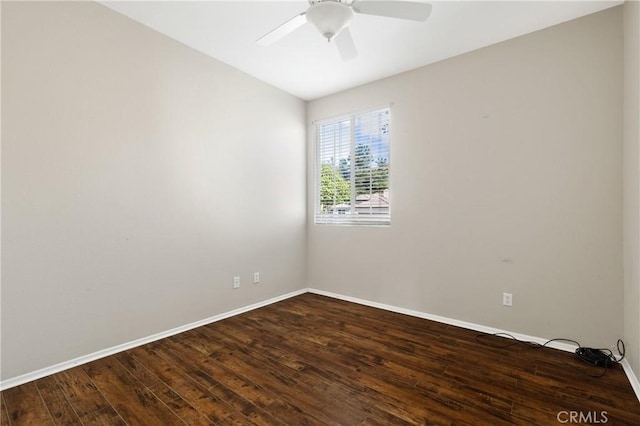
348, 219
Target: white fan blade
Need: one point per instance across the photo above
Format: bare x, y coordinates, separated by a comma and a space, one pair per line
284, 29
412, 10
345, 45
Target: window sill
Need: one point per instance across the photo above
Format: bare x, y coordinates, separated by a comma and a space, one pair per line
343, 221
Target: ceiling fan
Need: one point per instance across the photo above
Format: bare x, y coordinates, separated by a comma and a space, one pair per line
332, 18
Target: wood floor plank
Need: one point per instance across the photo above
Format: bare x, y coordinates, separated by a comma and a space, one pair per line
299, 393
59, 407
137, 370
217, 390
229, 381
104, 417
190, 390
26, 407
4, 415
163, 392
129, 397
285, 380
221, 376
179, 406
313, 360
80, 391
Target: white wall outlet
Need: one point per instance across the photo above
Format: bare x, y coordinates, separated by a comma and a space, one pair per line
236, 282
507, 299
256, 277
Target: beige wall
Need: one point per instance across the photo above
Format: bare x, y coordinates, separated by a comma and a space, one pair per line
631, 164
506, 177
138, 177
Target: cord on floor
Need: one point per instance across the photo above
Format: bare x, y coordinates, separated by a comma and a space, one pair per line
602, 357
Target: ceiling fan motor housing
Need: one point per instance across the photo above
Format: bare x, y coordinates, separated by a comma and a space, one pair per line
329, 17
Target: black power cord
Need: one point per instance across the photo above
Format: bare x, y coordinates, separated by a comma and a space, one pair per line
602, 357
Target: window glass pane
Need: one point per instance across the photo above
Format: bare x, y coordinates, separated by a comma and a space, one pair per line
371, 138
353, 191
335, 148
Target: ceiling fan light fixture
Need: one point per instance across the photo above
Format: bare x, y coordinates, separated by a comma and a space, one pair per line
329, 17
332, 19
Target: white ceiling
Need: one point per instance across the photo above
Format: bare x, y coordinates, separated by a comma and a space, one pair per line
305, 65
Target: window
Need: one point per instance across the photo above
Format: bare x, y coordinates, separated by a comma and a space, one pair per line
352, 169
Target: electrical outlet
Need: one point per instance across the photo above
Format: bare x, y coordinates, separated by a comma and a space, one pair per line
256, 277
236, 282
507, 299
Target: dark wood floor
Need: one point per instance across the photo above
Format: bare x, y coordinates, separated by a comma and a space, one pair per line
315, 360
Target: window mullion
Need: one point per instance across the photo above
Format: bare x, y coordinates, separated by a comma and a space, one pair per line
336, 136
352, 148
370, 164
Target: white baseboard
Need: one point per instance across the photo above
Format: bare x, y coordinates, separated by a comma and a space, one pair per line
47, 371
631, 375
